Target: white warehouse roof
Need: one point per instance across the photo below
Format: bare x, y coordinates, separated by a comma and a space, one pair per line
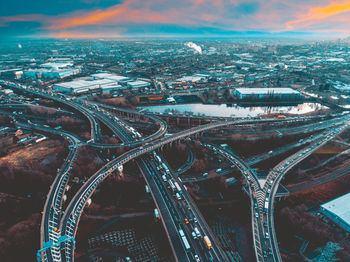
101, 75
339, 207
110, 77
266, 91
138, 83
57, 65
111, 86
76, 84
190, 78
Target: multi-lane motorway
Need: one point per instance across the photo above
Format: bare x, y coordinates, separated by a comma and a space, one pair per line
178, 215
152, 176
254, 189
52, 212
74, 210
262, 192
276, 175
189, 235
193, 220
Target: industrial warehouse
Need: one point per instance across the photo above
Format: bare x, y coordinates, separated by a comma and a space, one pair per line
101, 83
338, 211
78, 87
267, 93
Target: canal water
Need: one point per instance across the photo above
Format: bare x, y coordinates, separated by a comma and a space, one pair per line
234, 110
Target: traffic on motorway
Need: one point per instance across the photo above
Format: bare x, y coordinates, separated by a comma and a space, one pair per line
190, 237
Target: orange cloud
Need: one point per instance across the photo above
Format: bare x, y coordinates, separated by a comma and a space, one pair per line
121, 13
271, 16
21, 18
91, 18
77, 34
316, 14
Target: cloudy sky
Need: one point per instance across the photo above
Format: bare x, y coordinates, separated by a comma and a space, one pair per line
125, 18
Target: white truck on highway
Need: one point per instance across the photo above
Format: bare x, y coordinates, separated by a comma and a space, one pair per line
165, 168
184, 240
156, 213
266, 207
178, 187
172, 185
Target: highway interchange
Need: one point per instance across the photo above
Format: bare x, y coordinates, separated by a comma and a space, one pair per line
178, 212
262, 192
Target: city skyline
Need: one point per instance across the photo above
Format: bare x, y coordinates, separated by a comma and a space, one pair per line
130, 18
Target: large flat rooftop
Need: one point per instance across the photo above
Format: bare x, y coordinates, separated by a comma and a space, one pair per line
76, 84
110, 76
339, 207
265, 91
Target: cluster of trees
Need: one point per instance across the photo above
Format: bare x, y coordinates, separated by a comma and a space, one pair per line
24, 183
5, 121
110, 140
68, 123
5, 143
42, 111
74, 125
176, 154
201, 163
261, 145
21, 173
116, 101
86, 163
115, 196
21, 240
299, 221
